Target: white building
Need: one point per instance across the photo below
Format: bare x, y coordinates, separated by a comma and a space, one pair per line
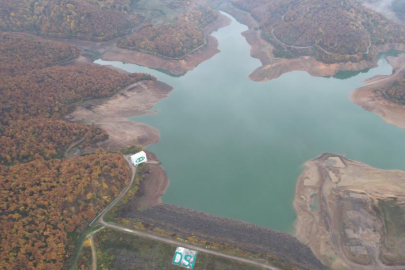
139, 158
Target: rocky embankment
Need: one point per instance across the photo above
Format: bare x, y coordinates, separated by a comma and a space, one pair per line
183, 222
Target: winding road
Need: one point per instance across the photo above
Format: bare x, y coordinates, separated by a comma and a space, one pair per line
307, 47
100, 219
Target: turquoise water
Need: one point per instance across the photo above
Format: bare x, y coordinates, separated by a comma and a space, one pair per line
235, 148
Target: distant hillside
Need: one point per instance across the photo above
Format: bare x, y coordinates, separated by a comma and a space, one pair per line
331, 31
83, 19
398, 6
20, 53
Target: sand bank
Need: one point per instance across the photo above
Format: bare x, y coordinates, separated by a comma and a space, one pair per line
273, 67
112, 114
372, 98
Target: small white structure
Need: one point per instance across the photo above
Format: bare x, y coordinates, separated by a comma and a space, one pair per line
184, 257
139, 158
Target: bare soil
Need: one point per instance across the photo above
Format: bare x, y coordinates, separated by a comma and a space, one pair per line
372, 98
273, 67
112, 114
348, 229
175, 67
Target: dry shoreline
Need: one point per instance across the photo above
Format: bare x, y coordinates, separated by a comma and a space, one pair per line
112, 114
370, 97
273, 67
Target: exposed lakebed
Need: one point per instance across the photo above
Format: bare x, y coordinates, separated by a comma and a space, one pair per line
235, 148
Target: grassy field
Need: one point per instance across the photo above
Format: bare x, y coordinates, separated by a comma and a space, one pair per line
117, 250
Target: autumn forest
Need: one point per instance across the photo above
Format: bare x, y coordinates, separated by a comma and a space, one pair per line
46, 199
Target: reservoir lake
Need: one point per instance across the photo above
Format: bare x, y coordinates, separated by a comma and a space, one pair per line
234, 148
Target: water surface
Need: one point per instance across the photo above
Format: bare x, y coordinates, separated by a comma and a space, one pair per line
235, 148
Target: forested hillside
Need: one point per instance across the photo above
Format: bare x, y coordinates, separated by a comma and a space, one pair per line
32, 104
330, 30
83, 19
43, 203
172, 40
20, 52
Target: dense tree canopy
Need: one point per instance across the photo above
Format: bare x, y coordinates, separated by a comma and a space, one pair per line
20, 52
172, 40
330, 30
41, 138
83, 19
43, 203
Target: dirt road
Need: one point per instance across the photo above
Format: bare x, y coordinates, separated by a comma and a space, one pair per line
93, 254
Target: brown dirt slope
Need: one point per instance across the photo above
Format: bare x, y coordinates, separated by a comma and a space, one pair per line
351, 215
